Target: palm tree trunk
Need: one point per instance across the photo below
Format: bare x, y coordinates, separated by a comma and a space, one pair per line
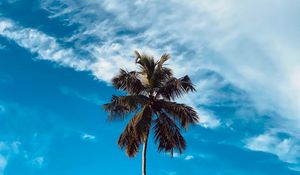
144, 155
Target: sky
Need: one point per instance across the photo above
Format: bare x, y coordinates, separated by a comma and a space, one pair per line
57, 58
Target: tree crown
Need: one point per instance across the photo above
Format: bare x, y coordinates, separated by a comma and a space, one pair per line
151, 90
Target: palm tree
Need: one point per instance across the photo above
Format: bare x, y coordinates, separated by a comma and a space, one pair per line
151, 93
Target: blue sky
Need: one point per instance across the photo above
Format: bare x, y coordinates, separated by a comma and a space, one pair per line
57, 57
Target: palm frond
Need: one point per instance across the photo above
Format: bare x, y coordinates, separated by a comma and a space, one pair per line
123, 105
129, 81
174, 87
167, 135
184, 114
146, 63
143, 121
159, 76
129, 140
137, 55
136, 131
165, 57
151, 90
154, 72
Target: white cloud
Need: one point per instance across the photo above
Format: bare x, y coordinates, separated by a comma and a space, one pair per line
287, 149
7, 149
39, 43
88, 137
32, 136
2, 109
253, 46
10, 147
3, 163
107, 58
48, 48
2, 47
259, 55
38, 161
189, 157
15, 146
208, 120
176, 155
181, 156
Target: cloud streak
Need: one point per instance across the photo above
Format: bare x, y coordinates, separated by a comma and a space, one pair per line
7, 150
45, 46
248, 44
88, 137
287, 149
103, 61
220, 35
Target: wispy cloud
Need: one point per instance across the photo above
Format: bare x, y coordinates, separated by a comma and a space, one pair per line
7, 150
245, 44
33, 141
88, 137
287, 149
2, 47
39, 43
86, 97
220, 35
189, 157
2, 109
38, 161
3, 163
103, 61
